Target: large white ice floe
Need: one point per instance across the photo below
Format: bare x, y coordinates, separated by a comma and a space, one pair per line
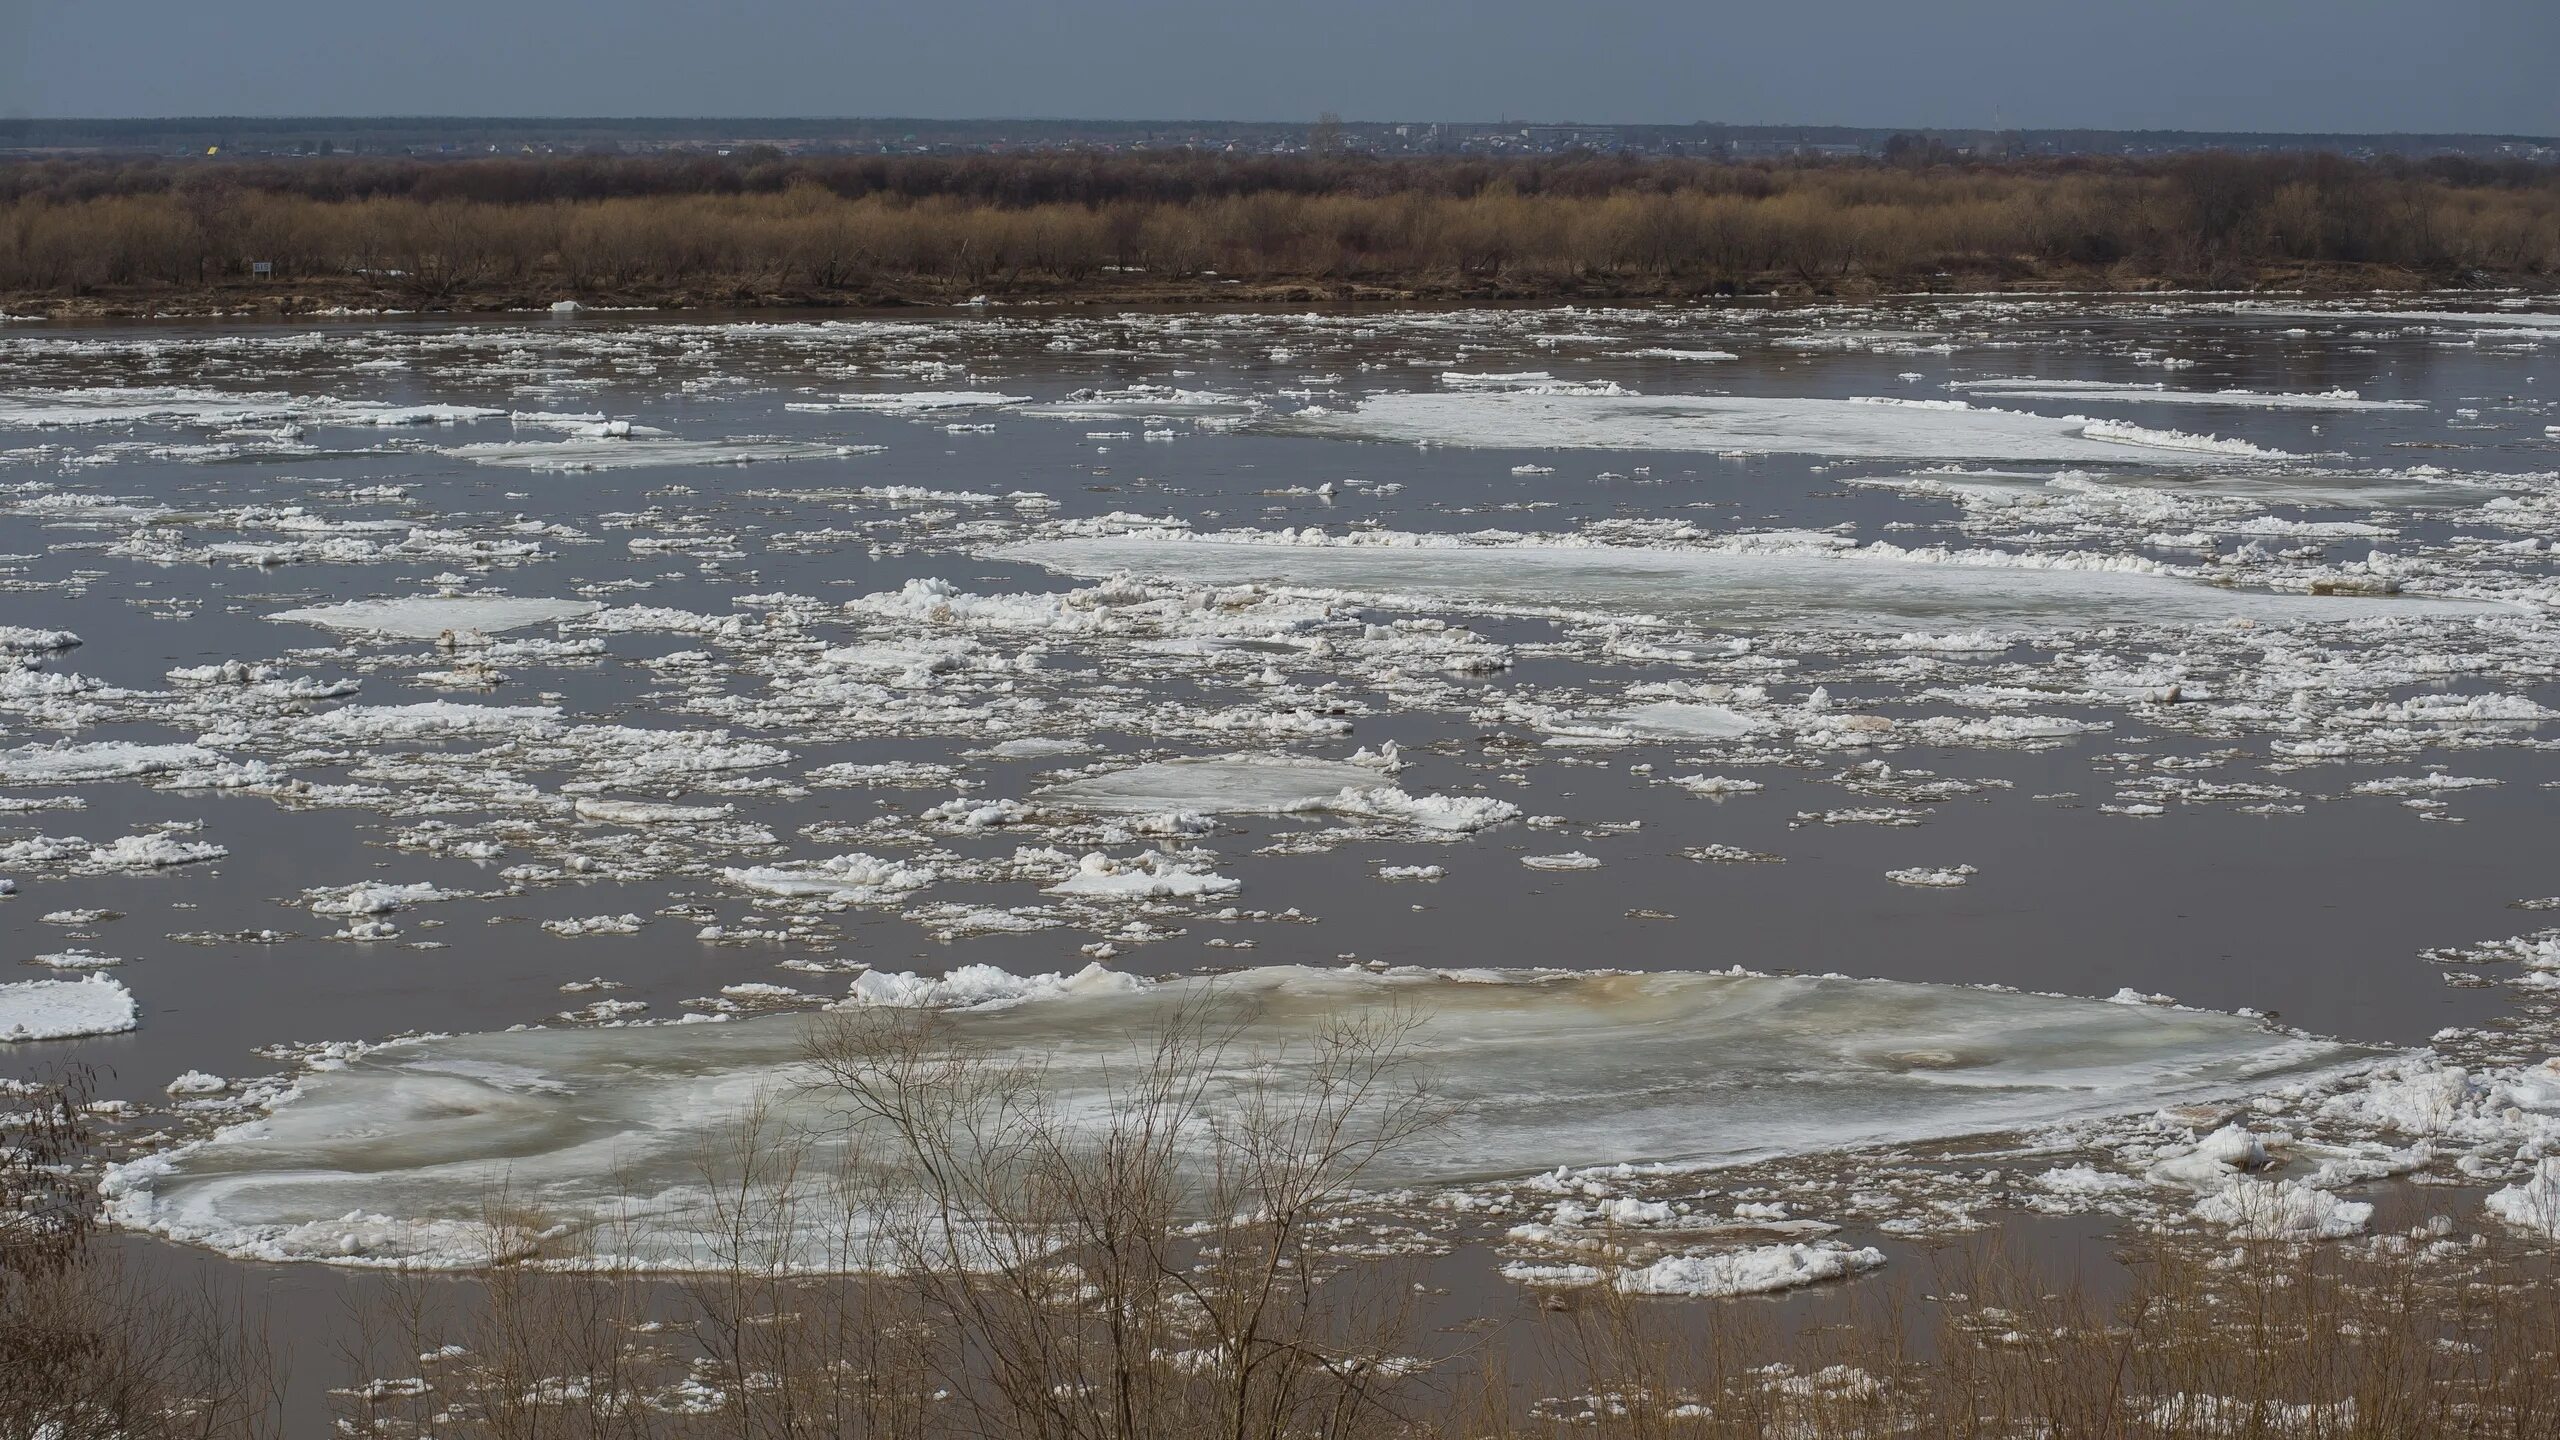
25, 640
1215, 785
583, 452
1758, 1270
429, 617
1272, 785
912, 402
848, 879
200, 408
62, 1009
58, 764
2102, 392
394, 1157
1149, 876
1860, 429
1762, 587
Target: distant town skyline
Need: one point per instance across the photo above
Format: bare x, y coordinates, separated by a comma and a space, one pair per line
2362, 66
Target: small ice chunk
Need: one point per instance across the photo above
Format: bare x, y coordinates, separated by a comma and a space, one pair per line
1151, 876
154, 851
2283, 1210
1569, 860
1762, 1270
1940, 878
2534, 1204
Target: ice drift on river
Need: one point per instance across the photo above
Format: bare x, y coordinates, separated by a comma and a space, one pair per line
393, 1157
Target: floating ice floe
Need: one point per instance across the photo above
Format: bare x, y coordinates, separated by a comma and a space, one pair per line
2283, 1210
375, 898
428, 617
1150, 876
613, 453
157, 850
2102, 392
1569, 860
1685, 720
847, 879
2533, 1205
2212, 497
23, 640
391, 1158
98, 760
1875, 588
643, 812
912, 402
1215, 785
63, 1009
1148, 402
1861, 429
1759, 1270
1945, 877
197, 408
1272, 785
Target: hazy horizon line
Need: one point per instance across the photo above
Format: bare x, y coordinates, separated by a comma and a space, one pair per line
1307, 123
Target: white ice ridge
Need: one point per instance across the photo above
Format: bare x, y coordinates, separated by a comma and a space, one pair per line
1862, 429
393, 1157
425, 617
1878, 588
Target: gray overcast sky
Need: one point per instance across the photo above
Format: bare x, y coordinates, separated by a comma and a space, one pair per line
2482, 65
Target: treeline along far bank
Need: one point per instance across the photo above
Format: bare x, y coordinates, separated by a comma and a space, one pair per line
763, 228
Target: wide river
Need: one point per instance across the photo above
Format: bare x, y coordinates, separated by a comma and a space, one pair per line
2158, 693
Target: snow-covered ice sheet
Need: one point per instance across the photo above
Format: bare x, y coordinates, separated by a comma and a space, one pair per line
392, 1157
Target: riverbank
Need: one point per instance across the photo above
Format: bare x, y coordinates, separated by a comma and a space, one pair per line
347, 297
109, 240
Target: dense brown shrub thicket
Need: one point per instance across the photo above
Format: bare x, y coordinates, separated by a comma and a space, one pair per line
756, 226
